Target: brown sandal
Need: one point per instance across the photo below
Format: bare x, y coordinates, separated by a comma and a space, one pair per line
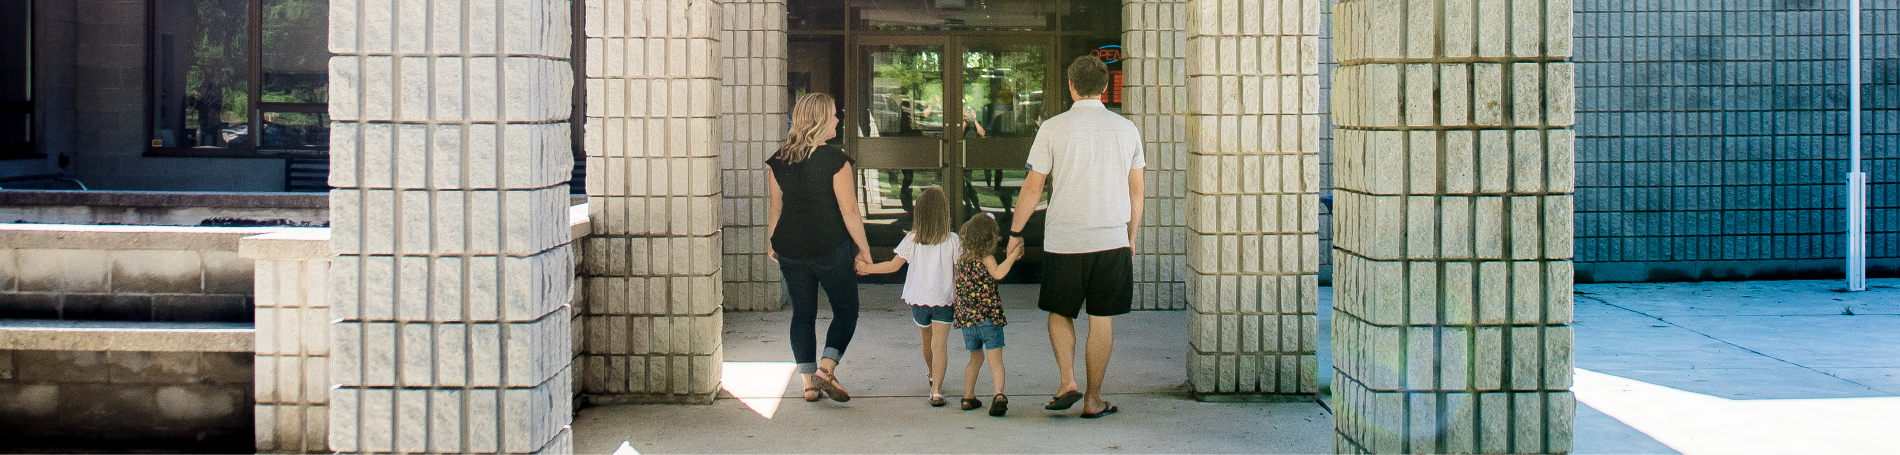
813, 393
828, 383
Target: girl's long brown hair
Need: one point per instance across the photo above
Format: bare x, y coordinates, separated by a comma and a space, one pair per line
979, 238
930, 219
808, 127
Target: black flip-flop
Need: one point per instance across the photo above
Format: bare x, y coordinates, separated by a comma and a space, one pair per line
1111, 410
1064, 401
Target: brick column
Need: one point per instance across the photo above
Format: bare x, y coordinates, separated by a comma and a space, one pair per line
1155, 98
753, 106
652, 265
292, 283
1253, 196
1453, 293
451, 270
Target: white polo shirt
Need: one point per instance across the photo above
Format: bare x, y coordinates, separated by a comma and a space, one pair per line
1087, 153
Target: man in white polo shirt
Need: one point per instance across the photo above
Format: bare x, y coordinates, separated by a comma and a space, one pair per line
1094, 157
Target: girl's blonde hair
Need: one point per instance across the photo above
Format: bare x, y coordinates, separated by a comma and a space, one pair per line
979, 237
808, 127
930, 220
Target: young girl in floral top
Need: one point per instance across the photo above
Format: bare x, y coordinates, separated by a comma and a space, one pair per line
979, 310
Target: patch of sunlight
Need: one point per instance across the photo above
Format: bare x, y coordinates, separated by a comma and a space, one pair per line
759, 385
1694, 423
626, 448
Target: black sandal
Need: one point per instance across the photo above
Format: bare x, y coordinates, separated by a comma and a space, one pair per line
972, 403
1064, 401
999, 405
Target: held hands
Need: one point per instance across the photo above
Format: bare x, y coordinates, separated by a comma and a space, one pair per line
862, 266
1016, 251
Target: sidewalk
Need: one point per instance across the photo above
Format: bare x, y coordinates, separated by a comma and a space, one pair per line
1667, 368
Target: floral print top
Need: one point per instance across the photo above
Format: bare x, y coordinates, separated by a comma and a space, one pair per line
976, 297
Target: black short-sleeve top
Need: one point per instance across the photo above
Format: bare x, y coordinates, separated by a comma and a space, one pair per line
810, 225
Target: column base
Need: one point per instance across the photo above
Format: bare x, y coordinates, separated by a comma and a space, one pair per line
611, 399
1255, 397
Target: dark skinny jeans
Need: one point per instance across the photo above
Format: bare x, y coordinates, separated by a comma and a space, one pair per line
836, 274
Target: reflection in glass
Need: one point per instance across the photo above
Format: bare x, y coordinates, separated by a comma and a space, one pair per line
815, 14
295, 130
296, 56
200, 90
915, 15
905, 96
1002, 90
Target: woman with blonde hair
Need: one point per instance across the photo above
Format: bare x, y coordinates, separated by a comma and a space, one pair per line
817, 236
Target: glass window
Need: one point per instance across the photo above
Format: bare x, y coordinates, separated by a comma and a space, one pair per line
240, 76
915, 15
1107, 48
1100, 16
905, 96
815, 14
1002, 90
16, 78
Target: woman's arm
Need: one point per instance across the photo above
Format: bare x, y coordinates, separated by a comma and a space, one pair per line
772, 211
845, 186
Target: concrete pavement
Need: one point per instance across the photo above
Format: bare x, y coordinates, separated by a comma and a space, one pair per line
1665, 368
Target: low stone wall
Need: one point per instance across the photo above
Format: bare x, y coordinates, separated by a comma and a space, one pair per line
164, 208
124, 273
120, 385
293, 334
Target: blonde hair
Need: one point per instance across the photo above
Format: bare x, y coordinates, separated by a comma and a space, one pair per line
930, 219
808, 127
979, 238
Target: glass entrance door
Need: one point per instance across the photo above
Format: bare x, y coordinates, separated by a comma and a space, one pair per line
951, 112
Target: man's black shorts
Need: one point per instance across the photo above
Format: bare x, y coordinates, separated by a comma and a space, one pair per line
1104, 281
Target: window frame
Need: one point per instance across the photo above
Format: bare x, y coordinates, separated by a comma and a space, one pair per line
254, 91
31, 148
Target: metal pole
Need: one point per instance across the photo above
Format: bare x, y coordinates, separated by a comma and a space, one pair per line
1856, 180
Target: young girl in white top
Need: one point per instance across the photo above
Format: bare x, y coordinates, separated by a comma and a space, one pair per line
931, 250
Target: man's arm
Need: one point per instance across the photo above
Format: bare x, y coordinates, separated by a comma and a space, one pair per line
1030, 196
1137, 188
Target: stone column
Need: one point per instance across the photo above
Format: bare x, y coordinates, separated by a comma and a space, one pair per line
1154, 87
1253, 197
1453, 292
753, 109
451, 270
652, 265
292, 283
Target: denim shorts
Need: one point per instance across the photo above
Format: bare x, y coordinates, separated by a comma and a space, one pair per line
982, 336
924, 315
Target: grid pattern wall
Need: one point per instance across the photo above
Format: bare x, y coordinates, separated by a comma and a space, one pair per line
1253, 191
451, 262
1326, 66
753, 106
1453, 281
1717, 131
653, 268
1154, 85
292, 366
